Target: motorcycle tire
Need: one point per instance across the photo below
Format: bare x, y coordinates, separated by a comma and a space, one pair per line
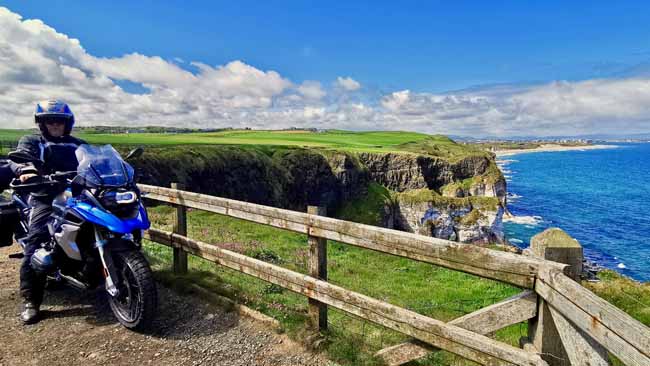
137, 302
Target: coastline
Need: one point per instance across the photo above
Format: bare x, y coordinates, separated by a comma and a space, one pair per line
591, 267
552, 148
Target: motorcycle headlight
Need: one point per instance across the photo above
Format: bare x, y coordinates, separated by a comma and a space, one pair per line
125, 197
122, 203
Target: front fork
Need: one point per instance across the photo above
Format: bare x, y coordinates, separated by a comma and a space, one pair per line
107, 263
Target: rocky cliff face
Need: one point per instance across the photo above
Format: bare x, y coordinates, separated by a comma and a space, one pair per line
449, 194
289, 178
402, 172
457, 215
467, 220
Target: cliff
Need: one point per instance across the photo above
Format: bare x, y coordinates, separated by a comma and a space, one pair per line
280, 177
431, 195
462, 199
472, 175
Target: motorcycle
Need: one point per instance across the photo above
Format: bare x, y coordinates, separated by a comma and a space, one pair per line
96, 231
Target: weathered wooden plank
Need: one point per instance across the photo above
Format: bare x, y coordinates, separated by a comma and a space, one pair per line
402, 353
445, 249
545, 337
501, 266
317, 269
513, 310
555, 245
283, 219
621, 334
581, 349
180, 227
431, 256
527, 345
454, 339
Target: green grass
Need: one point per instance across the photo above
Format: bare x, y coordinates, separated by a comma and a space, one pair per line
433, 291
426, 289
424, 195
628, 295
368, 208
344, 139
373, 141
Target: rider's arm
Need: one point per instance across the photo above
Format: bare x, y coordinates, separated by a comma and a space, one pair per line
30, 146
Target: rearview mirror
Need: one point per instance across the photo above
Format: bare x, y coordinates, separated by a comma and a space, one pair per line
135, 153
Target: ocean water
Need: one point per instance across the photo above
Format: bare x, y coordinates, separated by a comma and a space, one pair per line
600, 197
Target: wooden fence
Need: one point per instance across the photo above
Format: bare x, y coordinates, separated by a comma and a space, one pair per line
568, 324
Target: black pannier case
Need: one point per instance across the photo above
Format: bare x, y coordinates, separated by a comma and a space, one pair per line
9, 221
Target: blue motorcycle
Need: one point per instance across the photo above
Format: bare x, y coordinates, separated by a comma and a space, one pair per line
96, 231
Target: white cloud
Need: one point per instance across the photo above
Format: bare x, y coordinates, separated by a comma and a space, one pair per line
347, 83
37, 62
311, 90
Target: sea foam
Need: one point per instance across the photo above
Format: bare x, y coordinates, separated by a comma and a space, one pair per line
524, 220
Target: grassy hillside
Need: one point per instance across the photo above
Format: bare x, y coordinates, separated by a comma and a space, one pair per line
427, 289
375, 141
424, 288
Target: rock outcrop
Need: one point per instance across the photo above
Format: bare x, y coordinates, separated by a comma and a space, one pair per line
459, 214
403, 172
467, 220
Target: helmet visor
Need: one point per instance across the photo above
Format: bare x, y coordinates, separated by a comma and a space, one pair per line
52, 119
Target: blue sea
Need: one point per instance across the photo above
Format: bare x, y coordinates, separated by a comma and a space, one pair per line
600, 197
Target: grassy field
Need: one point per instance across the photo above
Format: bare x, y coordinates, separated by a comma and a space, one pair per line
424, 288
374, 141
332, 139
430, 290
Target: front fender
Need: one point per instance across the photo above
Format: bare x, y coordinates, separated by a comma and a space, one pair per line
113, 223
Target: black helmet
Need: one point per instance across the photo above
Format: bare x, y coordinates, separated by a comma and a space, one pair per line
53, 110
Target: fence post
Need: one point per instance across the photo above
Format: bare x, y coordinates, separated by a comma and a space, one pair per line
556, 245
317, 269
180, 228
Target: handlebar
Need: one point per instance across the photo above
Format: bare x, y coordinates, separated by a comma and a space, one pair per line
42, 181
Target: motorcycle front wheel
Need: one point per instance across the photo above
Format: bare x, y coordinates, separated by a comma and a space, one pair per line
136, 304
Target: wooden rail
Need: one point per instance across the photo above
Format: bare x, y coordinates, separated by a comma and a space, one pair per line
569, 325
501, 266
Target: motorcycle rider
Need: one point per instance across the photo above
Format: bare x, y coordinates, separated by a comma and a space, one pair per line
52, 151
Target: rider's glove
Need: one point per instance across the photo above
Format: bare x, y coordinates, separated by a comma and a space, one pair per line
26, 172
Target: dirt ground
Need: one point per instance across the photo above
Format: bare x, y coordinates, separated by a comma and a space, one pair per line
79, 329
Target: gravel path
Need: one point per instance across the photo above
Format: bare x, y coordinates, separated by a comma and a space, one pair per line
78, 329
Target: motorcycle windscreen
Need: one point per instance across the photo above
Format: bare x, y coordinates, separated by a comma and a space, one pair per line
103, 166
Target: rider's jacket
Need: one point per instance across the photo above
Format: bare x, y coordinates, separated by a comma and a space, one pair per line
6, 174
51, 154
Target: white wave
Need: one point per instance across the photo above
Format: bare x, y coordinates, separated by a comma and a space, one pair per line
621, 266
506, 161
506, 171
515, 241
524, 220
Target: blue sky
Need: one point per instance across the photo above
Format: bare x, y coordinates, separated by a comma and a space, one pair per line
430, 48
